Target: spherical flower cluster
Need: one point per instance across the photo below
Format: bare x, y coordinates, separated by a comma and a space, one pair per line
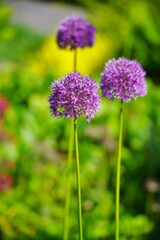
74, 95
123, 79
75, 32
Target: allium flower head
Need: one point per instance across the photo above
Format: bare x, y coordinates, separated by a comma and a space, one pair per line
75, 32
123, 79
74, 95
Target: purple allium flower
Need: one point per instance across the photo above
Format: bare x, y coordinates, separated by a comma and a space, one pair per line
123, 79
74, 95
75, 32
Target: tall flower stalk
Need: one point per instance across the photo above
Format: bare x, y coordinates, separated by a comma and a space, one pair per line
68, 182
69, 167
78, 182
73, 32
72, 96
119, 171
124, 80
75, 60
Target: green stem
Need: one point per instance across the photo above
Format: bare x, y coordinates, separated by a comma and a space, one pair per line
68, 183
75, 60
69, 168
119, 171
78, 182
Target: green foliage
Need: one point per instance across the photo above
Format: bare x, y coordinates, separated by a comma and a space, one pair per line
17, 42
133, 28
5, 13
33, 146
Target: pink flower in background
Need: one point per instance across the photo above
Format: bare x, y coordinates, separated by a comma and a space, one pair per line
3, 105
6, 182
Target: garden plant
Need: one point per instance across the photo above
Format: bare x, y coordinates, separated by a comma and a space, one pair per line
80, 159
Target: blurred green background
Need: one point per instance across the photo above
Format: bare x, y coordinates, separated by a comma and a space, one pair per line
33, 144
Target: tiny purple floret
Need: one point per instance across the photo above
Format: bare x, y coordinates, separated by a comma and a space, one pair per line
123, 79
75, 32
74, 95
